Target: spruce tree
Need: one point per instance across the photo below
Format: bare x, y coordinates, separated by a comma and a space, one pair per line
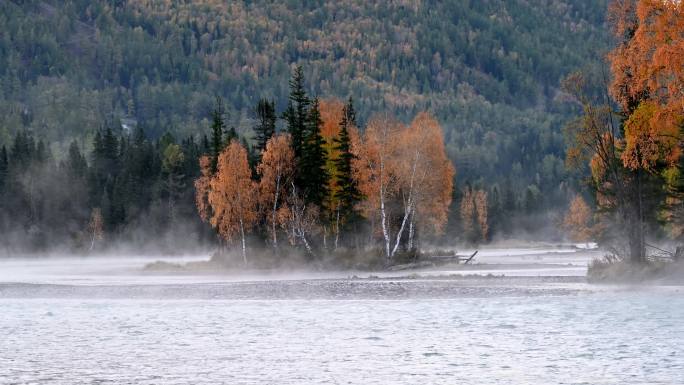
41, 152
495, 211
297, 112
205, 147
313, 173
109, 152
218, 127
22, 149
347, 194
266, 123
231, 135
4, 166
76, 164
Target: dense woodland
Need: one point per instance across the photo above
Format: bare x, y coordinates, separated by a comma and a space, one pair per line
489, 72
107, 108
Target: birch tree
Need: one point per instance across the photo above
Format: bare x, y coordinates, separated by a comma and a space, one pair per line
374, 167
226, 199
276, 171
404, 172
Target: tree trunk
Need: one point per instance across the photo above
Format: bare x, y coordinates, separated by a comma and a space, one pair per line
409, 205
383, 220
337, 227
275, 206
636, 242
244, 244
411, 230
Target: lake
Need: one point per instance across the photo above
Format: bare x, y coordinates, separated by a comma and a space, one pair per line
335, 330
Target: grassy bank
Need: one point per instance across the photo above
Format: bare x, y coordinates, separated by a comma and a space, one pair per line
612, 269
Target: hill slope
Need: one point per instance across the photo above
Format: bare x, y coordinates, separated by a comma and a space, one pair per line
489, 70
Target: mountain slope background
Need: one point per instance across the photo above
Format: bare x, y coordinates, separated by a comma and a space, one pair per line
489, 70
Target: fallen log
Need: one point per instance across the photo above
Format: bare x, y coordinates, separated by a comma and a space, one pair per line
471, 257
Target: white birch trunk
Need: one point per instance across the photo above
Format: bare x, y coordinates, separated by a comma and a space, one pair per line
337, 227
383, 213
275, 207
411, 229
244, 244
408, 206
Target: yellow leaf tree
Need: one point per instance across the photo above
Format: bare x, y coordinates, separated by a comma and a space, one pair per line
226, 199
577, 221
276, 171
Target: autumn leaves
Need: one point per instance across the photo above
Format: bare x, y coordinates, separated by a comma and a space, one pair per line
404, 173
399, 175
635, 153
648, 70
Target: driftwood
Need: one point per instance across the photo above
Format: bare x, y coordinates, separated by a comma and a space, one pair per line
471, 257
427, 262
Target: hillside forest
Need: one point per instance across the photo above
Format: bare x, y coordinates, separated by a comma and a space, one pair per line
164, 126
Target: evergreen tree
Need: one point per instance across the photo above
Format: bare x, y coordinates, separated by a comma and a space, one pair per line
509, 207
22, 149
218, 127
297, 112
266, 123
192, 153
313, 173
41, 152
4, 166
231, 135
206, 147
347, 194
530, 201
495, 210
76, 164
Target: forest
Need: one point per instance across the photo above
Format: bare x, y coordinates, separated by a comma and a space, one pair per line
319, 186
489, 72
121, 121
107, 106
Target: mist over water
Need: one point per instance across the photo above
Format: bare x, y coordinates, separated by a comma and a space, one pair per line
89, 320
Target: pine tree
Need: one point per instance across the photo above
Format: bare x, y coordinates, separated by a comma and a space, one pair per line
231, 135
41, 152
110, 145
4, 166
76, 164
266, 123
22, 149
348, 194
495, 210
206, 147
218, 127
297, 112
313, 174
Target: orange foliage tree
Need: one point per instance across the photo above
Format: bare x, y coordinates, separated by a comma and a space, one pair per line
374, 167
481, 209
226, 199
403, 172
467, 212
474, 214
596, 138
276, 171
202, 185
426, 177
648, 78
577, 221
331, 115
